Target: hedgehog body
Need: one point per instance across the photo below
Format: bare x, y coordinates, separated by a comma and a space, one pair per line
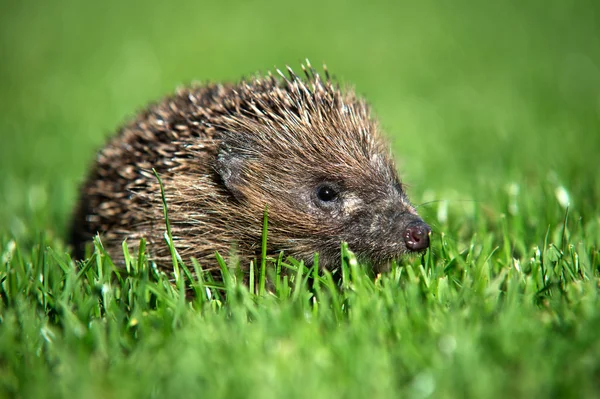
302, 147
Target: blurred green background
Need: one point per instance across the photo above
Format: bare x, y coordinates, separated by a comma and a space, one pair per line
474, 96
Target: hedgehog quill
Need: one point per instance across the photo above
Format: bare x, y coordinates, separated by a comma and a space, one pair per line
309, 151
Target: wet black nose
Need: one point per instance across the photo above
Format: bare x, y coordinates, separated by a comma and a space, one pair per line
416, 236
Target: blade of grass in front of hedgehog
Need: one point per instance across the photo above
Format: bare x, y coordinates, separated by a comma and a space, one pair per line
298, 281
169, 235
344, 265
127, 256
278, 275
228, 277
201, 295
141, 259
263, 255
251, 276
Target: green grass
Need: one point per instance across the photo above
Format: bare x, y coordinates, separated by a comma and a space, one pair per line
493, 112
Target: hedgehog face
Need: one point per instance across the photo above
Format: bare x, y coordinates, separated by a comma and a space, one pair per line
374, 217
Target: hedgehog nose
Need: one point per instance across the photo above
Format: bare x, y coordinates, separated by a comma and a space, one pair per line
416, 236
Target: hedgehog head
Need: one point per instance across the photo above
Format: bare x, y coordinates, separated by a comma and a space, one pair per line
315, 157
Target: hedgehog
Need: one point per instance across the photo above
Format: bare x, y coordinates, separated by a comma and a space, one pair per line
297, 145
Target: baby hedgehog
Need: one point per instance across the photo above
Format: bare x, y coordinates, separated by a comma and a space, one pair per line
224, 152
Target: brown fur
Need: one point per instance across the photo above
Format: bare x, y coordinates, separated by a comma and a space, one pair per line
225, 151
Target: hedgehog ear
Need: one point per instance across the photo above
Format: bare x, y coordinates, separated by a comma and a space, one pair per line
230, 166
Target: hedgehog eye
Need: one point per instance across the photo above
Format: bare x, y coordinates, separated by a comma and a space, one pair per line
327, 193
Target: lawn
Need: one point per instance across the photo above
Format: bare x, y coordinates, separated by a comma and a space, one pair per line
493, 112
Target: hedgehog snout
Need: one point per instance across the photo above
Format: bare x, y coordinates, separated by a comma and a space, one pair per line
416, 236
